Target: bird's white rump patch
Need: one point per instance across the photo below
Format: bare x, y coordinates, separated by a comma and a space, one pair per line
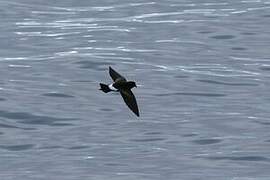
112, 88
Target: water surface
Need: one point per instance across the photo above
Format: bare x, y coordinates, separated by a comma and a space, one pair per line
203, 68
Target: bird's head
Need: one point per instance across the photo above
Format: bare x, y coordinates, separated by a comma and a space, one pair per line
132, 84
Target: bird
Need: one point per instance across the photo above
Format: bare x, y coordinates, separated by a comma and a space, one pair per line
120, 84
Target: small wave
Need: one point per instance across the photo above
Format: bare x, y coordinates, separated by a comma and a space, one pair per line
22, 147
258, 8
250, 59
176, 40
78, 147
153, 133
95, 65
19, 66
192, 94
226, 83
46, 34
215, 4
251, 1
190, 135
28, 118
102, 8
29, 58
240, 158
239, 12
239, 48
12, 58
67, 53
52, 13
106, 109
222, 37
57, 95
2, 125
206, 141
265, 68
119, 48
148, 139
209, 69
50, 147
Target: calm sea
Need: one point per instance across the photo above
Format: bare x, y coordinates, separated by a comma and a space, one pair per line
202, 66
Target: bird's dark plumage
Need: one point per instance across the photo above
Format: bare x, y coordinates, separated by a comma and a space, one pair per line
130, 100
115, 75
104, 87
124, 87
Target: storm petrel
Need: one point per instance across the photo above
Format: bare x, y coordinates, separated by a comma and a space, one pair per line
123, 86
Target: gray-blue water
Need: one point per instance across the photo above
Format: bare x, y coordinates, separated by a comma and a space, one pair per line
203, 68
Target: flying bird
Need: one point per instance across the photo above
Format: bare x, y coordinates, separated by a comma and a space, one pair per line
120, 84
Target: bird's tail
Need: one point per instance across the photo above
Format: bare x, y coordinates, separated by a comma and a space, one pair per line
105, 88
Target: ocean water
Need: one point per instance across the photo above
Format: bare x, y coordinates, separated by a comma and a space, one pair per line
203, 71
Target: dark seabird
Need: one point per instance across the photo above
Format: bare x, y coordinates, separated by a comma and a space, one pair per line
123, 86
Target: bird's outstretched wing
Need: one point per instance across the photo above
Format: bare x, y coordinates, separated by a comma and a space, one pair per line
130, 101
115, 75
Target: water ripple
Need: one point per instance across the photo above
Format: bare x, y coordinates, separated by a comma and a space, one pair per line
28, 58
241, 158
46, 34
208, 69
19, 66
265, 68
22, 147
94, 65
206, 141
226, 83
52, 13
2, 125
103, 8
57, 95
223, 37
28, 118
192, 94
148, 139
78, 147
250, 59
50, 147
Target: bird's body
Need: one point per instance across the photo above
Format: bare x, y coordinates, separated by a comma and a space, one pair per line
123, 86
